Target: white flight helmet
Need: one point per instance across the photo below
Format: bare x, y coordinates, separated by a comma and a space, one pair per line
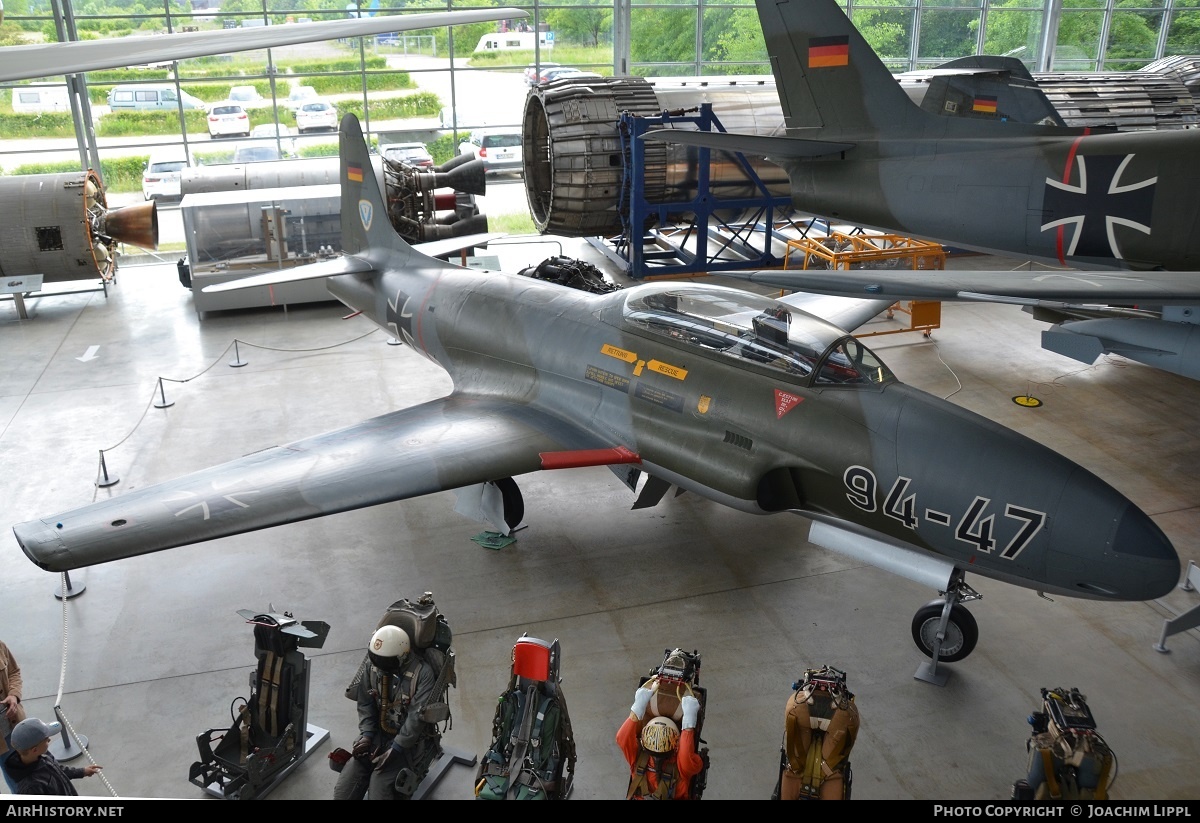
389, 646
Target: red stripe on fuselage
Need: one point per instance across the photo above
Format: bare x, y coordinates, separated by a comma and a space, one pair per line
1066, 180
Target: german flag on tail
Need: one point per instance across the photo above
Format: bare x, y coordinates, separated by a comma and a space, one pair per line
984, 104
354, 172
826, 52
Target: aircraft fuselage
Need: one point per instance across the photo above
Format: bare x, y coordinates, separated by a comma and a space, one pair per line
765, 439
1115, 200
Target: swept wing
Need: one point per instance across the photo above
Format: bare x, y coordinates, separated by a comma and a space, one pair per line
444, 444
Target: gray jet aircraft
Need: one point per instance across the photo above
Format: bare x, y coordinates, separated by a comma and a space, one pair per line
748, 401
859, 151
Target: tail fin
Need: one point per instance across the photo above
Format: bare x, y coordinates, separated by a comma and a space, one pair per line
365, 221
827, 75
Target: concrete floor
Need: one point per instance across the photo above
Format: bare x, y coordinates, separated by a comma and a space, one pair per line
152, 652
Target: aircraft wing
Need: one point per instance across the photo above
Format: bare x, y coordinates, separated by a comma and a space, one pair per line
48, 60
1067, 287
774, 148
444, 444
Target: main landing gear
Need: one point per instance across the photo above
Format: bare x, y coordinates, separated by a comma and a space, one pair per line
944, 630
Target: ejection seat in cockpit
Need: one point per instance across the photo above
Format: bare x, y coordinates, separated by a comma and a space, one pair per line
270, 734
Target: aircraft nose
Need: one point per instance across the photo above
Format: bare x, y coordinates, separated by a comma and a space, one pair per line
1009, 506
1107, 546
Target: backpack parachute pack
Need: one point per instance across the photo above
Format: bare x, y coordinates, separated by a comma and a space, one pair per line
532, 756
820, 727
1068, 759
429, 636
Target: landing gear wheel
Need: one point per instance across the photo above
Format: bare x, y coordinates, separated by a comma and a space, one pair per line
962, 632
514, 504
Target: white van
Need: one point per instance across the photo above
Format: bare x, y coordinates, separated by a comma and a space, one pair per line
34, 99
151, 98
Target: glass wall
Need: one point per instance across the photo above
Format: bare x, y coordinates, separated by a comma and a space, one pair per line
440, 85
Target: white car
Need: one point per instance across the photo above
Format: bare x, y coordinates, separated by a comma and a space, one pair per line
160, 179
499, 149
316, 115
299, 96
228, 120
248, 96
286, 142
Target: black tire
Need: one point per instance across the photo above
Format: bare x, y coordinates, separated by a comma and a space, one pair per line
962, 632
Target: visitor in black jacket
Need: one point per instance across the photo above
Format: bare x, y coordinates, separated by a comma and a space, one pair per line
32, 766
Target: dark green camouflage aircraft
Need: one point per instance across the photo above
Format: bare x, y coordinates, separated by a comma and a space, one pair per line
748, 401
1119, 208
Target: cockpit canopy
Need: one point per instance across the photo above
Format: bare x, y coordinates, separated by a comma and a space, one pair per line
757, 330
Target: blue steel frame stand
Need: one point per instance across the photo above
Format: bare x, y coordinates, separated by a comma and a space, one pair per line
713, 244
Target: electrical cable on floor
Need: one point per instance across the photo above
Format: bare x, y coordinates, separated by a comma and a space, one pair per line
62, 679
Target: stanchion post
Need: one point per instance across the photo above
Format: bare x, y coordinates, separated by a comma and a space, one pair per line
237, 362
106, 479
68, 590
162, 397
66, 749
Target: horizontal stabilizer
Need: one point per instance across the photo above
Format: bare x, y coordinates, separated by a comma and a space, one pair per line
312, 271
773, 148
450, 245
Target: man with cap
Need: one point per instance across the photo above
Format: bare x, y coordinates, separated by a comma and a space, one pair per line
393, 688
34, 768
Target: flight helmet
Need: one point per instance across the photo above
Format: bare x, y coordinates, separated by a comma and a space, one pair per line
389, 647
660, 735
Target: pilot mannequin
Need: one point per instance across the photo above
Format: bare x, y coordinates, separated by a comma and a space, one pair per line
390, 697
662, 759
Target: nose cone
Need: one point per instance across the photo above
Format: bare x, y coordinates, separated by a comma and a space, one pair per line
1005, 506
1105, 547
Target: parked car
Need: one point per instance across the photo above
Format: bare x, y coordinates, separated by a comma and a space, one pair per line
248, 96
534, 69
151, 98
414, 154
565, 72
160, 178
499, 149
256, 152
299, 96
286, 142
228, 119
316, 115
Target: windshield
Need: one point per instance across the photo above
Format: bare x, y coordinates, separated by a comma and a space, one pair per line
757, 330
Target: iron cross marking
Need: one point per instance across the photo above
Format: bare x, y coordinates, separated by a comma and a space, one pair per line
1097, 203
